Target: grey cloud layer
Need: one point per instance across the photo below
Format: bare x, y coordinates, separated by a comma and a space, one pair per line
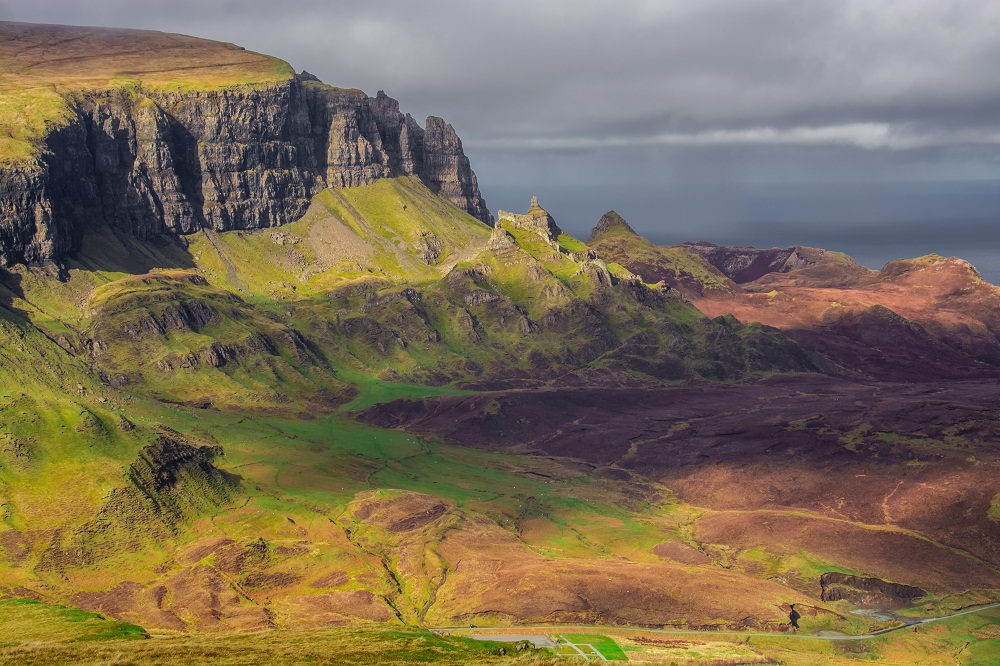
887, 74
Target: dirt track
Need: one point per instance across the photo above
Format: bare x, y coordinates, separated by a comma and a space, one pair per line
742, 634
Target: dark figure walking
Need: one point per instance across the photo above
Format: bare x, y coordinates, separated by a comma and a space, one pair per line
793, 619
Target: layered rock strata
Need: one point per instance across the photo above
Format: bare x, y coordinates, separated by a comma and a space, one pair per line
245, 157
746, 264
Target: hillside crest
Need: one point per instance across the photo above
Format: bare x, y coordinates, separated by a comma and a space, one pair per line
134, 141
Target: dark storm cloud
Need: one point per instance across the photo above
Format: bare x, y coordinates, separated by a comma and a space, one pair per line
543, 75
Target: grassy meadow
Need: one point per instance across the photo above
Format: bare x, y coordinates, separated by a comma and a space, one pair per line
43, 635
322, 647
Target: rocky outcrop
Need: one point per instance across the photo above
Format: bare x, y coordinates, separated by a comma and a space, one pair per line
610, 220
169, 482
867, 591
446, 169
501, 240
150, 162
746, 264
27, 230
537, 219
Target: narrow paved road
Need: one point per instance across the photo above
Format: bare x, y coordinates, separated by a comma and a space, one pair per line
605, 629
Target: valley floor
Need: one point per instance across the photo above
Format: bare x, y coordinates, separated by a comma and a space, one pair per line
967, 639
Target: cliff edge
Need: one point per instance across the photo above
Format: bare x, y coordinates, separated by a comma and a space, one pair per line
159, 133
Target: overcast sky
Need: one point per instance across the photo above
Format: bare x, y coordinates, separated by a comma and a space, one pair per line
869, 125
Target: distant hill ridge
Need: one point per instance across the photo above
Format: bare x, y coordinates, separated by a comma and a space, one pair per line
746, 264
914, 316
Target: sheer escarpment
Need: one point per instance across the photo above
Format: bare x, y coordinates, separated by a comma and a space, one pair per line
245, 157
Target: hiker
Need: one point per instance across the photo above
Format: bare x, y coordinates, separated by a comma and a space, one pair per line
793, 619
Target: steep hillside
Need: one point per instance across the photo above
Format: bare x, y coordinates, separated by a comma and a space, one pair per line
676, 267
746, 264
153, 133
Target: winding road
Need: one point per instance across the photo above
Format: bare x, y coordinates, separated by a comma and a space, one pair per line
743, 634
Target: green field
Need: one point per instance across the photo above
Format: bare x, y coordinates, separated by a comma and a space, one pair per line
327, 647
23, 621
604, 645
44, 635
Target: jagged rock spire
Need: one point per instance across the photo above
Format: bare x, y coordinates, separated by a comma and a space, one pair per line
537, 219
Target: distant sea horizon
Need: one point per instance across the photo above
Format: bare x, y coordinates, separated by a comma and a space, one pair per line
874, 223
987, 262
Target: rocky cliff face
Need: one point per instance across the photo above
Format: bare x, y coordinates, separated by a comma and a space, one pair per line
746, 264
235, 158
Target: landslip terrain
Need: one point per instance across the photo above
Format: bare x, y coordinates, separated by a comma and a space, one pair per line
268, 362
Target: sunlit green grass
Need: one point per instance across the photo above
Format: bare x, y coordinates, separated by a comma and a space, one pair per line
24, 621
631, 251
43, 68
968, 640
607, 646
372, 390
329, 647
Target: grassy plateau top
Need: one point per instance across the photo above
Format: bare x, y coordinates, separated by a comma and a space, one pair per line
42, 66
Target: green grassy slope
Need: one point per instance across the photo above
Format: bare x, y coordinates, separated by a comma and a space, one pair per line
327, 646
675, 266
59, 431
182, 434
24, 621
44, 67
56, 638
387, 282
